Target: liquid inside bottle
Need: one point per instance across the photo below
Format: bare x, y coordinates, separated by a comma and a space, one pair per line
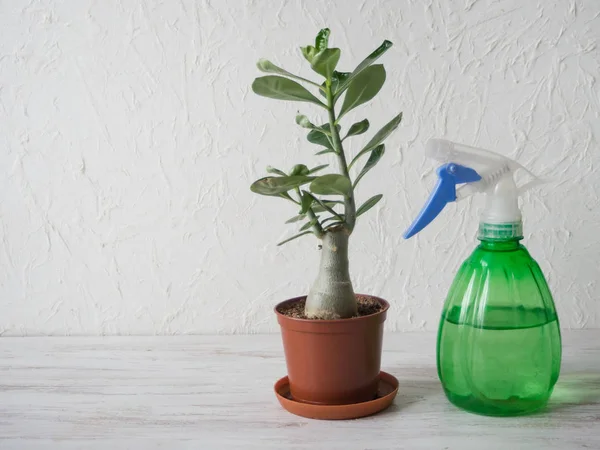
499, 344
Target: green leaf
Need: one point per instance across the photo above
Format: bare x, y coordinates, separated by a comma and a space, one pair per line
299, 169
305, 203
309, 52
303, 121
264, 65
384, 132
322, 39
309, 224
358, 128
316, 169
332, 184
297, 218
362, 66
330, 203
294, 237
327, 150
271, 169
379, 137
363, 88
368, 204
278, 185
325, 61
324, 205
281, 88
318, 136
376, 155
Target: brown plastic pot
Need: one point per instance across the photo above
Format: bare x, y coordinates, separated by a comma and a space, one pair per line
333, 362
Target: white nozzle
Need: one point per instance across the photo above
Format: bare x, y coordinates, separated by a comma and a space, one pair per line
502, 202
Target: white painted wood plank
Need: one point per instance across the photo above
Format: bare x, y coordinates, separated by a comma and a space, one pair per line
213, 392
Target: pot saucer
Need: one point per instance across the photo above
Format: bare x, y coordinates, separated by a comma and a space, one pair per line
386, 392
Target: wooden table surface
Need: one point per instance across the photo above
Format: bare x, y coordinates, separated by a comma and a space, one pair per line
214, 392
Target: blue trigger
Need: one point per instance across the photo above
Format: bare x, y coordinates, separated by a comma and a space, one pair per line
449, 175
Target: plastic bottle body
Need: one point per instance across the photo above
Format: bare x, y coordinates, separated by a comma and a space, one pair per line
499, 344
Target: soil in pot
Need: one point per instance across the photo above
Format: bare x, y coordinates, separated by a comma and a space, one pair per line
366, 307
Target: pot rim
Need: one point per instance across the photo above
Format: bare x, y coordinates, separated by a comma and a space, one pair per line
332, 322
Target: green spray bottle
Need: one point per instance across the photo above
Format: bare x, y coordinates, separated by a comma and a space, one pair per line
499, 343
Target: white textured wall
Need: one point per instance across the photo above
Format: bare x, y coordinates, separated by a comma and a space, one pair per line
129, 137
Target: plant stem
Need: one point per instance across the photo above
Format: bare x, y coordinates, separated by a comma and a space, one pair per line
331, 295
349, 205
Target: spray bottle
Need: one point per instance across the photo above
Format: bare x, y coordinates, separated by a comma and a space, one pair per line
499, 343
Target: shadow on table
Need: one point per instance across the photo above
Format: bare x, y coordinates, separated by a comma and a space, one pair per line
575, 389
571, 391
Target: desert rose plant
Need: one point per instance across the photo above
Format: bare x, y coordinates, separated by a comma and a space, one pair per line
326, 203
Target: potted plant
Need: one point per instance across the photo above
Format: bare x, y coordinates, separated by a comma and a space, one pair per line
332, 337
